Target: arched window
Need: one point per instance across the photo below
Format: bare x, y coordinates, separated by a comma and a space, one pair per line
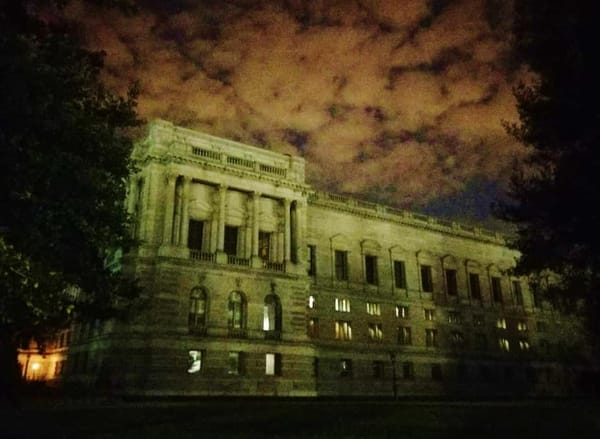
237, 313
197, 311
272, 315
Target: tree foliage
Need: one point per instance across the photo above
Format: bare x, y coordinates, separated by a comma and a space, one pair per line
64, 161
555, 196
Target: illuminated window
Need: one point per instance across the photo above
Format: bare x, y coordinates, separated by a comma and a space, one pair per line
311, 302
497, 289
313, 327
236, 363
404, 335
272, 314
264, 245
341, 265
474, 285
478, 320
237, 311
454, 317
402, 312
197, 310
371, 270
522, 326
342, 305
312, 260
480, 341
343, 330
431, 337
517, 292
378, 369
231, 240
346, 368
524, 345
429, 314
273, 364
458, 339
503, 344
195, 235
436, 372
375, 331
451, 284
373, 309
426, 279
195, 361
408, 370
399, 274
501, 323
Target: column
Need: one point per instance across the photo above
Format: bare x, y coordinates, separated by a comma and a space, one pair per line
185, 214
287, 243
169, 209
221, 223
255, 222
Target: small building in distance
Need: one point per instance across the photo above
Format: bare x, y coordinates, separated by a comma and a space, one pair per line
257, 284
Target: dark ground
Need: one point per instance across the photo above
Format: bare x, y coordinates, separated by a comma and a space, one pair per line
302, 418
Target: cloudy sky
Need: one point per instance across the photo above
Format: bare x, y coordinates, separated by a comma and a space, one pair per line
399, 101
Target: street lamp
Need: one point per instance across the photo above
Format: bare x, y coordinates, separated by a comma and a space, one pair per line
394, 381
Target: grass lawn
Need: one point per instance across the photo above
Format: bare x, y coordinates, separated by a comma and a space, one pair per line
271, 418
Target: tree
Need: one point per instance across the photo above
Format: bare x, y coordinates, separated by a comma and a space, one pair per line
554, 197
64, 162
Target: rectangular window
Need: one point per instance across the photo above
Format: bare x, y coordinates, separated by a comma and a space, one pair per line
371, 270
458, 339
342, 305
429, 314
399, 274
231, 240
402, 312
311, 302
501, 323
451, 284
373, 309
235, 363
375, 332
503, 344
312, 260
341, 265
497, 289
313, 327
404, 335
436, 372
273, 364
524, 345
195, 234
426, 279
480, 341
378, 369
264, 245
517, 292
343, 330
346, 367
431, 337
474, 285
195, 360
454, 317
522, 326
408, 370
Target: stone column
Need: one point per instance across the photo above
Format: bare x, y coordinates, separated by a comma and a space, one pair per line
221, 223
185, 214
287, 243
255, 222
169, 209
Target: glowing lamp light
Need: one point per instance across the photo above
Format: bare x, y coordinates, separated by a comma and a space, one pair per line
35, 366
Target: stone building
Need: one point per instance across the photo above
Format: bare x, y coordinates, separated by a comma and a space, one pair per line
257, 284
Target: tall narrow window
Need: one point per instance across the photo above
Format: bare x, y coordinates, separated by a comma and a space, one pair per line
197, 310
237, 313
346, 368
373, 308
451, 284
273, 364
436, 372
312, 260
517, 292
195, 235
497, 289
313, 327
264, 245
375, 331
474, 285
431, 338
371, 269
426, 279
399, 274
341, 265
195, 361
408, 370
272, 314
343, 330
236, 363
231, 240
404, 335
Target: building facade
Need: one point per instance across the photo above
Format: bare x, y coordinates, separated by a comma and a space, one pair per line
256, 284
